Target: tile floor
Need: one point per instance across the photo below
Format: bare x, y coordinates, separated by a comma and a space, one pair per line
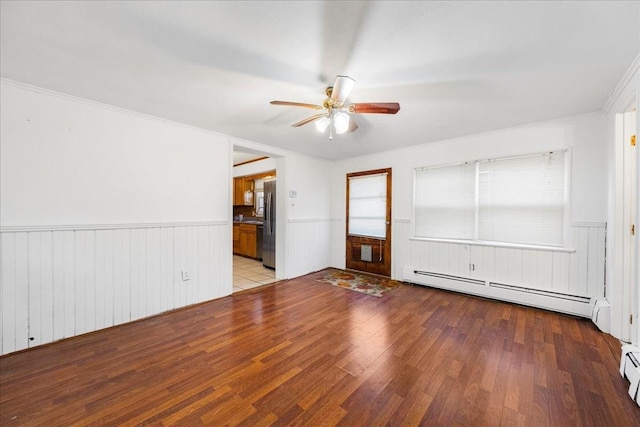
249, 273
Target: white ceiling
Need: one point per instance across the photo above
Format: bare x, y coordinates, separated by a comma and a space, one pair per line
456, 68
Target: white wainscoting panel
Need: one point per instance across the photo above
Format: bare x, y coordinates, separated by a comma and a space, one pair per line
576, 276
63, 281
587, 264
308, 246
338, 242
400, 248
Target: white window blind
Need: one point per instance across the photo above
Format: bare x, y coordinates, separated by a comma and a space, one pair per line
515, 200
521, 200
368, 205
445, 202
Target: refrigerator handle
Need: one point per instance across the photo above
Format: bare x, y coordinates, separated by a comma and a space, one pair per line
268, 212
271, 212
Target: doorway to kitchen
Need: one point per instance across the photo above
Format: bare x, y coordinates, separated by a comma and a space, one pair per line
251, 174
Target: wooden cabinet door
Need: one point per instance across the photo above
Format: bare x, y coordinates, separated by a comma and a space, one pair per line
238, 191
251, 243
242, 184
243, 191
236, 238
248, 240
247, 195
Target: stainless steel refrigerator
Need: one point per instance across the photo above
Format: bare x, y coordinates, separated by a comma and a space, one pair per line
269, 228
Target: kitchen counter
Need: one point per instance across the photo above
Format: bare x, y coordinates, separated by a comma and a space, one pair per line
252, 222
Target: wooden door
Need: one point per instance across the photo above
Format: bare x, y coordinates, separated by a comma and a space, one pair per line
369, 221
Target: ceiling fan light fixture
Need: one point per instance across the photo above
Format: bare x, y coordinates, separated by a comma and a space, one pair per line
336, 115
322, 124
341, 122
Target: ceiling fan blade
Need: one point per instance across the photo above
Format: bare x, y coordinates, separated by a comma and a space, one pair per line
342, 88
308, 120
375, 107
297, 104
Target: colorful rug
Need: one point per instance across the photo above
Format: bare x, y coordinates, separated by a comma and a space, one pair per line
370, 285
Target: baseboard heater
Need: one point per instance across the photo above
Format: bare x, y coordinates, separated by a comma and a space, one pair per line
630, 369
577, 305
557, 295
560, 295
449, 277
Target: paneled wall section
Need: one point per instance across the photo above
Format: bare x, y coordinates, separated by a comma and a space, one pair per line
60, 282
577, 273
308, 243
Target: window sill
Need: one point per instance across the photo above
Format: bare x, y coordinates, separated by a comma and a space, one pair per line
495, 244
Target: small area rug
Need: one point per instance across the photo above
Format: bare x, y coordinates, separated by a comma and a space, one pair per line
370, 285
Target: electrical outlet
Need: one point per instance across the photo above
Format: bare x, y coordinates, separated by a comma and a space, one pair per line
185, 275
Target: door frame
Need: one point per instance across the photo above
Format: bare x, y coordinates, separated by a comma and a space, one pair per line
622, 290
629, 214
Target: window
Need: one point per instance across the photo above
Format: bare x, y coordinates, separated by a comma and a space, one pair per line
368, 205
259, 200
513, 200
445, 202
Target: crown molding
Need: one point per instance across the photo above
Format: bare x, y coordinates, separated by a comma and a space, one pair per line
622, 85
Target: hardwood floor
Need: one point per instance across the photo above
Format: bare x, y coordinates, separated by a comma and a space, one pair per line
301, 352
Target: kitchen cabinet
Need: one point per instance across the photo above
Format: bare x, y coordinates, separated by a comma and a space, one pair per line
248, 239
236, 238
243, 191
245, 240
244, 188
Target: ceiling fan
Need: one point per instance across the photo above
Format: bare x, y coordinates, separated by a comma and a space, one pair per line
335, 114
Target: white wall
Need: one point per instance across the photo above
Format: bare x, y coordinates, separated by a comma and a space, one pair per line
101, 210
585, 136
309, 178
308, 214
69, 161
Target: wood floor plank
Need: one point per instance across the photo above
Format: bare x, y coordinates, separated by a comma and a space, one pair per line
540, 406
302, 352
